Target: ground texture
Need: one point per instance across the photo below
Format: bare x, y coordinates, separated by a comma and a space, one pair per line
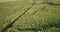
30, 16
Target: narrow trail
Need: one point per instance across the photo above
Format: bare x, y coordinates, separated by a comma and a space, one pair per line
10, 24
50, 3
5, 27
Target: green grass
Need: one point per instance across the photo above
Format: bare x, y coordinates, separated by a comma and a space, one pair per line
40, 16
10, 10
1, 1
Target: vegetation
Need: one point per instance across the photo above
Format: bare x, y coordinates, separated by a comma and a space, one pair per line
40, 16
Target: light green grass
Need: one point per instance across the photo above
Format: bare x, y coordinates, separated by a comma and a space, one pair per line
36, 17
50, 14
10, 10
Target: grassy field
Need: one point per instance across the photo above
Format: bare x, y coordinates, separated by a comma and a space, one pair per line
42, 17
1, 1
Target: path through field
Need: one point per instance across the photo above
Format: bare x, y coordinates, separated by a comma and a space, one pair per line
30, 16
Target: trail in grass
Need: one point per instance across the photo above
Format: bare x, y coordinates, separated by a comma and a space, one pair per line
15, 19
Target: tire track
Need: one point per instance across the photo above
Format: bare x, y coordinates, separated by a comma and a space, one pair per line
10, 24
5, 27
